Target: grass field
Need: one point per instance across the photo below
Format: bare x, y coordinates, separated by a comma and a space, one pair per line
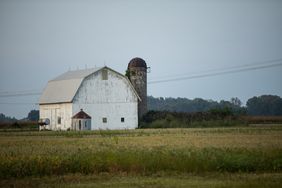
201, 157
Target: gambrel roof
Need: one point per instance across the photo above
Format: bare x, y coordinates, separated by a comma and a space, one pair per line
63, 88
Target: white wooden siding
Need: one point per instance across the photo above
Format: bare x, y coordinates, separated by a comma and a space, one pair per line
53, 111
112, 98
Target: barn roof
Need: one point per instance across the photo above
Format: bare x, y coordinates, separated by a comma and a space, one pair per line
81, 115
63, 88
78, 74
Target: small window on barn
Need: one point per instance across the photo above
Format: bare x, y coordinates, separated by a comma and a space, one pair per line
104, 74
85, 124
59, 120
122, 119
104, 120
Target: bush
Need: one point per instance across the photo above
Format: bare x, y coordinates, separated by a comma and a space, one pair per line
19, 125
213, 118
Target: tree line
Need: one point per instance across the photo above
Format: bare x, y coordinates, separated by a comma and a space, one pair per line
33, 115
264, 105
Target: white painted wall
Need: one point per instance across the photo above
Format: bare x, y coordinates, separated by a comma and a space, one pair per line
113, 99
53, 111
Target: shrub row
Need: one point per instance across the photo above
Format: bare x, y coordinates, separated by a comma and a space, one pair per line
261, 119
213, 118
19, 125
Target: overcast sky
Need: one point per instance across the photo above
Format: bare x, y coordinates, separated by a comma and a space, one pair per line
41, 39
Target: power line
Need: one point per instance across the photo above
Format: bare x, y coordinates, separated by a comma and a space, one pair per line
224, 71
18, 103
202, 74
19, 94
267, 62
19, 91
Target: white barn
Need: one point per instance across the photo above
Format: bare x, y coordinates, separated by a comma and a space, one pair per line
106, 95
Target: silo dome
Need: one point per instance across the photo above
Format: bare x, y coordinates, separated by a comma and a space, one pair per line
137, 62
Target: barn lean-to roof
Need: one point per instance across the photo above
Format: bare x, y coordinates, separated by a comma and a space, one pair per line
81, 115
63, 88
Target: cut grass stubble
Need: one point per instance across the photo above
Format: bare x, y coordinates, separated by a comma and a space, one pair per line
174, 150
144, 162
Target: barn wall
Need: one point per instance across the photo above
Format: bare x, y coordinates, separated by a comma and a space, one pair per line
112, 98
53, 111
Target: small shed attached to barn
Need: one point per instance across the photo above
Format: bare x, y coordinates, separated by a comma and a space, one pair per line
81, 121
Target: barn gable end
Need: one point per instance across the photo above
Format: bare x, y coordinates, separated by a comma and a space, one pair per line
109, 102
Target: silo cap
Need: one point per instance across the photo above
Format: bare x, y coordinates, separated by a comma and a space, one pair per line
137, 62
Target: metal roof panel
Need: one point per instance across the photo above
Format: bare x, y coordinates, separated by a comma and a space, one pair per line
64, 87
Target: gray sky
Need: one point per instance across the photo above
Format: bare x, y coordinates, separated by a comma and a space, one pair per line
42, 39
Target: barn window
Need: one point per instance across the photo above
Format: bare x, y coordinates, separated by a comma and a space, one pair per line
104, 120
122, 119
79, 124
104, 74
59, 120
85, 124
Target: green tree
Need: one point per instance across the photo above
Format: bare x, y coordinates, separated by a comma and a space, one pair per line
265, 105
33, 115
4, 118
236, 101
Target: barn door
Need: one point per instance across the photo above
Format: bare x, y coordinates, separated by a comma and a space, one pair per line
53, 119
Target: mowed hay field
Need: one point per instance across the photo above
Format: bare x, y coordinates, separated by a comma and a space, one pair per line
211, 157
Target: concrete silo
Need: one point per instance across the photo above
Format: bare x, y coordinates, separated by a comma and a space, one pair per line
137, 74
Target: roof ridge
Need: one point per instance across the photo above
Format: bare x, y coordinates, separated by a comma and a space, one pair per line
77, 74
